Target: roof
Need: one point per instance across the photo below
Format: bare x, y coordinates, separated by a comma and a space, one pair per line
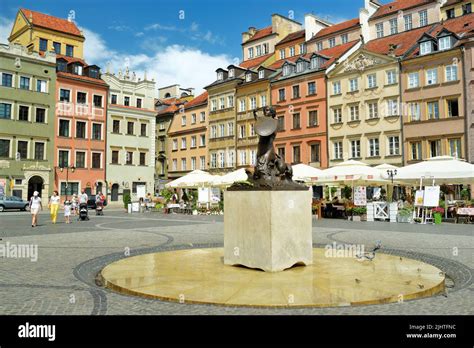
71, 59
403, 42
80, 77
50, 22
332, 53
199, 100
336, 28
170, 109
398, 5
293, 36
451, 2
261, 33
252, 63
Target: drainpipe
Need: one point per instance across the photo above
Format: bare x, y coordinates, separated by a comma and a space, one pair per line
465, 101
402, 135
327, 122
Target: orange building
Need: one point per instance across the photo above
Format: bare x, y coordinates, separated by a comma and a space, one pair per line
80, 127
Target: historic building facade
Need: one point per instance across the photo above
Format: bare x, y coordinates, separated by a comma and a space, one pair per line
131, 131
27, 104
187, 138
80, 128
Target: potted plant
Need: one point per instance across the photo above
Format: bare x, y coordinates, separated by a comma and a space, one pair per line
359, 214
127, 199
438, 215
405, 214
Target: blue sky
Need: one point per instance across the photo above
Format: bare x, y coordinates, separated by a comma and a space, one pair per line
153, 36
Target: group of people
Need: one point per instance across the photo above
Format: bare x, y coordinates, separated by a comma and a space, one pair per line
70, 207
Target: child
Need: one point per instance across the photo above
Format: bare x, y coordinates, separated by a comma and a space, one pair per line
67, 211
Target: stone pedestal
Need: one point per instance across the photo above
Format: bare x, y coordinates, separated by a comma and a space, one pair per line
268, 230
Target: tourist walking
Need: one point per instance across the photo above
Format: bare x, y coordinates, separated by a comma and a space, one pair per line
74, 204
54, 201
35, 207
67, 212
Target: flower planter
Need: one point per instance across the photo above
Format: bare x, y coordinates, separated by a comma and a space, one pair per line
438, 218
357, 218
406, 219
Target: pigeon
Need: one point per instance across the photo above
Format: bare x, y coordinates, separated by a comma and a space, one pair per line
371, 254
357, 281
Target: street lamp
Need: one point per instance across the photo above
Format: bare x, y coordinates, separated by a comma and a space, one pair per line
67, 175
391, 173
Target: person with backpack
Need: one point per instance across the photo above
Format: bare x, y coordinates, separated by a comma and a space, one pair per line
35, 207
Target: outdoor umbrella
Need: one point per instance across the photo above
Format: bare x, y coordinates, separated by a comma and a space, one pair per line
353, 172
195, 179
230, 178
305, 173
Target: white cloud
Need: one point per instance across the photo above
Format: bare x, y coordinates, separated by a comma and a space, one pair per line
158, 26
187, 66
5, 29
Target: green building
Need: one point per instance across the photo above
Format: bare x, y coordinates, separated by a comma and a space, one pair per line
27, 105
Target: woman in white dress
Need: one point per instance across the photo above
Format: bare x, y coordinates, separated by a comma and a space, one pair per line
35, 207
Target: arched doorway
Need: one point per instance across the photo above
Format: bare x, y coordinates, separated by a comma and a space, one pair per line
35, 184
98, 188
114, 193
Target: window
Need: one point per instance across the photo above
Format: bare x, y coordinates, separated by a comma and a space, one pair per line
408, 19
213, 105
22, 149
372, 80
69, 188
425, 47
183, 120
393, 26
231, 72
392, 107
344, 38
193, 141
230, 101
373, 110
337, 115
175, 164
453, 107
413, 80
96, 131
286, 70
332, 42
444, 43
248, 77
39, 151
175, 144
40, 115
354, 111
113, 99
252, 129
202, 162
466, 8
77, 69
41, 86
313, 118
242, 131
415, 148
296, 154
222, 103
130, 126
281, 153
81, 98
5, 111
63, 158
116, 126
281, 94
142, 158
391, 77
315, 153
4, 148
57, 47
302, 48
338, 150
282, 53
183, 143
213, 132
450, 13
455, 148
222, 160
299, 67
242, 104
311, 88
355, 148
129, 159
115, 157
319, 46
261, 74
250, 50
393, 145
253, 103
336, 88
213, 160
374, 147
126, 101
64, 128
432, 76
7, 80
451, 73
220, 75
253, 157
243, 157
202, 116
69, 50
379, 29
98, 101
296, 91
435, 148
415, 114
193, 163
43, 45
296, 121
354, 85
222, 130
143, 127
23, 113
265, 48
61, 65
292, 51
80, 159
24, 82
64, 95
281, 123
263, 100
202, 140
423, 18
80, 130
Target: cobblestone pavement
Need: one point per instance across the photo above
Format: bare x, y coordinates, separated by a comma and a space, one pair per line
62, 280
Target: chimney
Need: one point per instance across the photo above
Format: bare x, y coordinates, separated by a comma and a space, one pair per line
252, 31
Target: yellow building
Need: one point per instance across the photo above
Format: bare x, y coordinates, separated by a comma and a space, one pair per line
456, 8
40, 32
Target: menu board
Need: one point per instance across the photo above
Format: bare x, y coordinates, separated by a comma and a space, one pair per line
360, 196
431, 197
419, 198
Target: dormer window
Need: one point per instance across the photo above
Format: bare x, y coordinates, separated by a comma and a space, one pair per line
220, 75
94, 73
231, 72
61, 65
314, 62
426, 47
261, 74
248, 77
77, 69
299, 67
444, 43
286, 70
